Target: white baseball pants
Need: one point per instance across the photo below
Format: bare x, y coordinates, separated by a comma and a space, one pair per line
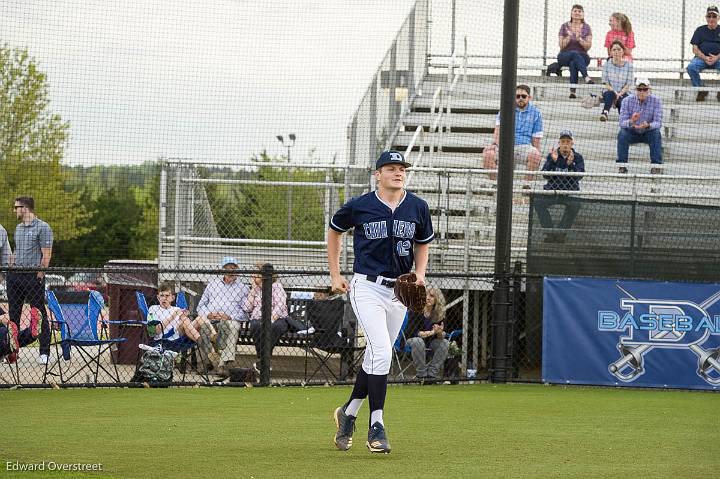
380, 316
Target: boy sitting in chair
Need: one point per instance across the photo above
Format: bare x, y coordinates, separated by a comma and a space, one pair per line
174, 323
12, 339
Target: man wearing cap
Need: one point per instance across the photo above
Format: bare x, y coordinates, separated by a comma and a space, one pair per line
562, 158
392, 231
641, 117
528, 133
706, 48
221, 303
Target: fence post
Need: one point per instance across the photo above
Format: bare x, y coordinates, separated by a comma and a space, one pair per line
266, 322
503, 221
515, 321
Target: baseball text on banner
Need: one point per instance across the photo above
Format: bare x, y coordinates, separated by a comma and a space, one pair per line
634, 333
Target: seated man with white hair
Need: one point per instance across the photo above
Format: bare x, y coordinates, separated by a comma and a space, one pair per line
641, 117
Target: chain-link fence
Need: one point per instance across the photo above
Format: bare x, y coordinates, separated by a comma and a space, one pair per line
75, 327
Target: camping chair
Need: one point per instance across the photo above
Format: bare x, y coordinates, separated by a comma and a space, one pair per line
78, 325
11, 361
184, 346
326, 317
402, 356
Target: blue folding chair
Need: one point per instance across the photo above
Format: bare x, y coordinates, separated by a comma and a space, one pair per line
78, 325
183, 345
401, 351
454, 334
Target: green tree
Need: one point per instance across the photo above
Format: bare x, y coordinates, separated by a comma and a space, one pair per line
144, 243
32, 145
110, 230
261, 211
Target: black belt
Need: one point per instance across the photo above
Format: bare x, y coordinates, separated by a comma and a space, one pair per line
388, 283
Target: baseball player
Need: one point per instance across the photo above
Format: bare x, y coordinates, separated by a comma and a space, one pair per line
392, 227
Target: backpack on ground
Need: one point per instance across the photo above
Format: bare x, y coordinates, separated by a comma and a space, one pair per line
155, 366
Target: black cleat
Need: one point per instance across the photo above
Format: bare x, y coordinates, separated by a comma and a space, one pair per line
345, 428
377, 440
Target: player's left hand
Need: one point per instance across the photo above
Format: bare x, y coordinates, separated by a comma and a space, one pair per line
420, 280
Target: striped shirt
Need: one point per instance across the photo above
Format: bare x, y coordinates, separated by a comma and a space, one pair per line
29, 241
222, 297
253, 305
618, 76
650, 111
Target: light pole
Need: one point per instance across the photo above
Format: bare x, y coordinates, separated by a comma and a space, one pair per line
289, 144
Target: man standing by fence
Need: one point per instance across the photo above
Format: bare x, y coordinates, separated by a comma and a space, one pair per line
33, 249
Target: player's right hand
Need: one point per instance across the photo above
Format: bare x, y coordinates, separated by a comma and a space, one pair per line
339, 285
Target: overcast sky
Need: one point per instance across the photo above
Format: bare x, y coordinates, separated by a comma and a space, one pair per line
218, 79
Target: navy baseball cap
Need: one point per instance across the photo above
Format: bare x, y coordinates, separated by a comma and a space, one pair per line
566, 134
391, 157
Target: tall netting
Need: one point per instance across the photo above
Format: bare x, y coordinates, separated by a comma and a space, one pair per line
169, 135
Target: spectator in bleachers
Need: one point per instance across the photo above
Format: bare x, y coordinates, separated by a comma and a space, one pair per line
575, 40
620, 29
618, 74
640, 122
563, 157
221, 304
12, 338
430, 327
528, 133
706, 48
279, 316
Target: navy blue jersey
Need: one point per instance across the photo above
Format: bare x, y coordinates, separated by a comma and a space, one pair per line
383, 240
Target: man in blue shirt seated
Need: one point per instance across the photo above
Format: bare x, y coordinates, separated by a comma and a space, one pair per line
562, 158
528, 133
221, 304
641, 117
706, 48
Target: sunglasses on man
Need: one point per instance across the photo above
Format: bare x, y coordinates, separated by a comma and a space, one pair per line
523, 97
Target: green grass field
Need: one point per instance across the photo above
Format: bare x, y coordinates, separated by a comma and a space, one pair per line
469, 431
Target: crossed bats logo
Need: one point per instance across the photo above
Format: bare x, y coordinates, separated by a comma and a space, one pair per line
639, 342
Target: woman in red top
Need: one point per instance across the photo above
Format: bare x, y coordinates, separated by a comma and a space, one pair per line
620, 29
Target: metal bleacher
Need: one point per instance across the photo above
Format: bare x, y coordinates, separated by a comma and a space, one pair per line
462, 196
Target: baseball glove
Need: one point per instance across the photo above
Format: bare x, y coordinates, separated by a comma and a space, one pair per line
409, 293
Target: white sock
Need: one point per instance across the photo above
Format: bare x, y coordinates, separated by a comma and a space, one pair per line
353, 407
376, 416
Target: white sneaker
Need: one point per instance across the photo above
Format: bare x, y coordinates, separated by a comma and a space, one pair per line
43, 359
305, 332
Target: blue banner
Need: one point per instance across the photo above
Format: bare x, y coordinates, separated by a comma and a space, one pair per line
631, 333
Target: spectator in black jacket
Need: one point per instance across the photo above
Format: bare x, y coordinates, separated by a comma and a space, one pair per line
563, 158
